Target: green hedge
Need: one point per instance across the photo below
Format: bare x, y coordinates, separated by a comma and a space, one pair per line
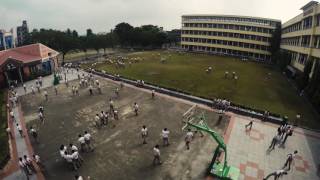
4, 150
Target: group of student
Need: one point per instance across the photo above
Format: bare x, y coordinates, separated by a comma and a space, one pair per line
283, 132
27, 166
165, 139
71, 155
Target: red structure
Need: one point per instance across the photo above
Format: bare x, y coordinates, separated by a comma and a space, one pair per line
26, 62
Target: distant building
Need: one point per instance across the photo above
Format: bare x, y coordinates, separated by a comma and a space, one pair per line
26, 62
240, 36
22, 33
300, 36
6, 40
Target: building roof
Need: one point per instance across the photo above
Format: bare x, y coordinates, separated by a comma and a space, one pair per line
28, 53
239, 16
309, 4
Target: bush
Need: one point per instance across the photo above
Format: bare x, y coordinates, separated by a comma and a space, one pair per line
55, 80
4, 150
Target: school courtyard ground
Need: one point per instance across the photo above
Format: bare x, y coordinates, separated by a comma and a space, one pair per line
259, 86
119, 153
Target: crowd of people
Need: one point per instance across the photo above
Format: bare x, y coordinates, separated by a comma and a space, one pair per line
283, 132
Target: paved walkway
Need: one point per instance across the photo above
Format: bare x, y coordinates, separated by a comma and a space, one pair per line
22, 146
248, 151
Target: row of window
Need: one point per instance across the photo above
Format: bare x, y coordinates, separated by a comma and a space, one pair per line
306, 23
298, 57
226, 43
304, 41
227, 34
229, 26
227, 52
230, 19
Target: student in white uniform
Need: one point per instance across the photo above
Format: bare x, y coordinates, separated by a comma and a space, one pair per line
82, 142
19, 128
136, 108
165, 136
156, 155
87, 138
188, 138
144, 134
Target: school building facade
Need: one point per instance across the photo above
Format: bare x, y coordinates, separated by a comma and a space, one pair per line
241, 36
26, 62
301, 36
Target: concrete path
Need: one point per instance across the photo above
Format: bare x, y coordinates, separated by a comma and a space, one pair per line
22, 145
248, 151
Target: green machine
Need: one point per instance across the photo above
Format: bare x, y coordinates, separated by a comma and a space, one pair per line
217, 169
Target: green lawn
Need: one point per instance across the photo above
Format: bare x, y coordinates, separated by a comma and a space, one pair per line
4, 146
259, 86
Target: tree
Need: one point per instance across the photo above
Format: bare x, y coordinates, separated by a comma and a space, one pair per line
303, 80
124, 31
283, 59
83, 44
275, 43
313, 88
314, 81
112, 39
96, 41
75, 34
89, 32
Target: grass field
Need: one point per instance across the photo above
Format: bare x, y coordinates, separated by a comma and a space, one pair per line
259, 86
4, 150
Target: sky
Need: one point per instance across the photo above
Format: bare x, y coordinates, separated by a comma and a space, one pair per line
103, 15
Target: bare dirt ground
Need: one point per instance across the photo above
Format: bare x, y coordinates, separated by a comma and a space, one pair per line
119, 152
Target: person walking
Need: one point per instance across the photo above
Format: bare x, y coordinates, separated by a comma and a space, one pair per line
12, 116
288, 133
188, 138
156, 155
34, 134
136, 108
87, 139
248, 126
8, 130
29, 164
37, 160
144, 134
41, 118
165, 136
24, 168
117, 92
77, 177
111, 104
153, 94
56, 90
274, 141
25, 88
75, 158
46, 95
290, 158
19, 128
82, 142
277, 174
